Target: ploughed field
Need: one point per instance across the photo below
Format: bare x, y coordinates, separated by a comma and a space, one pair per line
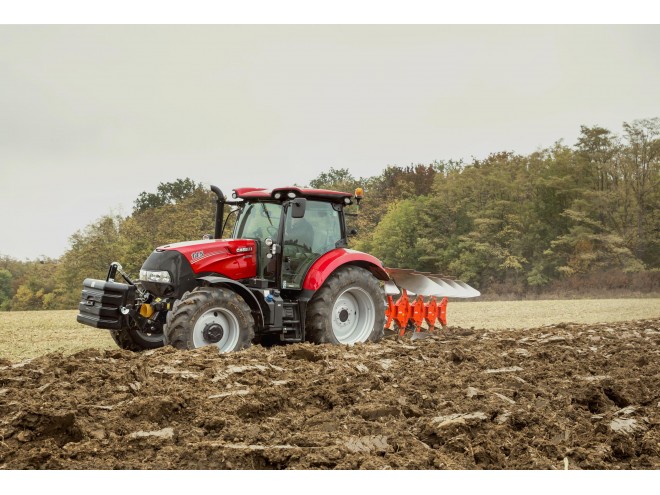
563, 395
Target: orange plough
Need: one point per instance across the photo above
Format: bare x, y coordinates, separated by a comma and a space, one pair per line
412, 313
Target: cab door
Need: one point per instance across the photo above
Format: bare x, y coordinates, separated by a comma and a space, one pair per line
306, 239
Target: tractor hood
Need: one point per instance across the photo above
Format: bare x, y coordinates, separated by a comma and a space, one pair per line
204, 256
186, 261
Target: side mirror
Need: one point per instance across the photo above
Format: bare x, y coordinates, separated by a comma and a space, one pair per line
299, 205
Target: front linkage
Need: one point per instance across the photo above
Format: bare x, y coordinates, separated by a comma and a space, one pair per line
124, 309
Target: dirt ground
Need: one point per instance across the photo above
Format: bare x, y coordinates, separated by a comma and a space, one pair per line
555, 397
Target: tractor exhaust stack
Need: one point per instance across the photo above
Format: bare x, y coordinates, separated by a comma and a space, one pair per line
219, 211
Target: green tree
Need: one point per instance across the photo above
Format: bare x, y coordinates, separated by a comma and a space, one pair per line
5, 289
25, 299
596, 149
92, 250
335, 179
395, 239
189, 219
167, 193
590, 246
641, 164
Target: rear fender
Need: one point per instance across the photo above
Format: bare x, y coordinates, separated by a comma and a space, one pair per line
241, 290
330, 261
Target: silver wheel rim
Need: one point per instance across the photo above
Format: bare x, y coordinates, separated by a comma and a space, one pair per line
353, 316
229, 324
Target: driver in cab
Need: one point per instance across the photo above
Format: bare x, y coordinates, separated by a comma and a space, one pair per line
300, 233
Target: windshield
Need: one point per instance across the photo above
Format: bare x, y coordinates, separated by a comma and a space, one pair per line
258, 221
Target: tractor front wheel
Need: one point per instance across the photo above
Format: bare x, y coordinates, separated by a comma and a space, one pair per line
347, 309
210, 316
132, 338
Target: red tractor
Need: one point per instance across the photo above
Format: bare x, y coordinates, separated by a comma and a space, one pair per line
286, 275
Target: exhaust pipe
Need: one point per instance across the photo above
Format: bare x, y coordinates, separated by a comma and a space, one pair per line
219, 211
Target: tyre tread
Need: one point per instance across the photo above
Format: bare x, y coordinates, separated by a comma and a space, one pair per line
178, 330
318, 327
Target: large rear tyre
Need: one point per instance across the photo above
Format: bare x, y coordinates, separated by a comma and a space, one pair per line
210, 316
132, 338
347, 309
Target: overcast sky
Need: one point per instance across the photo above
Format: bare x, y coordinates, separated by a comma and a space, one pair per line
90, 116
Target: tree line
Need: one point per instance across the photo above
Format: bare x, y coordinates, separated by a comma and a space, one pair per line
509, 220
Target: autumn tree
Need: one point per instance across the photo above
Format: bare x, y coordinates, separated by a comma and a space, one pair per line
167, 193
5, 288
641, 164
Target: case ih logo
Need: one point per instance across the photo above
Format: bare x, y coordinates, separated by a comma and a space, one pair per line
197, 255
246, 249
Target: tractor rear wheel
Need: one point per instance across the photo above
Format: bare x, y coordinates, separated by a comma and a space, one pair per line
347, 309
132, 338
210, 316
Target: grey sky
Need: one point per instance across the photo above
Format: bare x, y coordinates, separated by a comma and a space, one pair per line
92, 115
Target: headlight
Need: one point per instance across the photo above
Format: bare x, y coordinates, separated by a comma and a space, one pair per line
155, 276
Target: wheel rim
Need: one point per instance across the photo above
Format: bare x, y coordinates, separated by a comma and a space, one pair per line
353, 316
206, 329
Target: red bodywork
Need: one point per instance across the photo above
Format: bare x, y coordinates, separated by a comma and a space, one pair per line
330, 261
237, 259
233, 258
259, 193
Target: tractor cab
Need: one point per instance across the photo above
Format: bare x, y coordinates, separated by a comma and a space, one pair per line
292, 228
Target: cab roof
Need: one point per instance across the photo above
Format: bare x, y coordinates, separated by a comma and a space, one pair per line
255, 193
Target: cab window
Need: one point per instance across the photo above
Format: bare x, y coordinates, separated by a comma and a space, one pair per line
259, 221
307, 239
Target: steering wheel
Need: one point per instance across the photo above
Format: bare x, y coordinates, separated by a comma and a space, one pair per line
272, 230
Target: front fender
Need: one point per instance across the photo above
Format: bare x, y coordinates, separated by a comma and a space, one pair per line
330, 261
240, 289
